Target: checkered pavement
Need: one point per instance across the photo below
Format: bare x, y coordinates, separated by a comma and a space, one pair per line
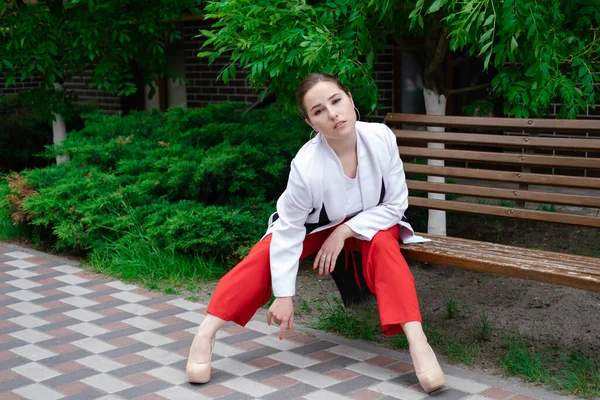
68, 333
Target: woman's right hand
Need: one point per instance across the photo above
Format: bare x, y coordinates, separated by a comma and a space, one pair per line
282, 311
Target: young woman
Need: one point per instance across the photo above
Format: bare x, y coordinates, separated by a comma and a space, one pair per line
346, 190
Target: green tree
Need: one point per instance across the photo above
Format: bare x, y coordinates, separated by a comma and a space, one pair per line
57, 39
544, 50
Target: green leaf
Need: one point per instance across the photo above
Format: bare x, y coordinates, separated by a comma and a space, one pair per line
486, 36
489, 20
204, 53
435, 6
582, 70
513, 44
487, 61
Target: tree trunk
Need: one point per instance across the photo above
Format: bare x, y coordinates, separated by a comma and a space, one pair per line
59, 129
435, 104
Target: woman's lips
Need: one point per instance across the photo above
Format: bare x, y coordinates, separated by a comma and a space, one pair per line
339, 124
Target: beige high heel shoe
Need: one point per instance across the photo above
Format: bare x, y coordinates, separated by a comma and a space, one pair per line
432, 378
200, 372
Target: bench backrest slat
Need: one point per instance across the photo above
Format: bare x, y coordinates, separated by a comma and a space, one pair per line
505, 176
506, 194
548, 125
511, 212
503, 158
500, 140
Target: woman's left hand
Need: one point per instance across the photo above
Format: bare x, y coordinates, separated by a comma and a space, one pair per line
329, 252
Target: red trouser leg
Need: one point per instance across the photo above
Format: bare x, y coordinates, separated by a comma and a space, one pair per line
389, 278
247, 287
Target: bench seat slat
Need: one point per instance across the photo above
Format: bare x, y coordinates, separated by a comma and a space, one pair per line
563, 269
570, 144
485, 209
505, 176
526, 124
506, 194
506, 158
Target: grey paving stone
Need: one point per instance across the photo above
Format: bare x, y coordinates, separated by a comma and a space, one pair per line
50, 264
86, 395
65, 357
95, 282
9, 289
50, 286
113, 318
407, 379
181, 364
354, 384
336, 363
61, 340
135, 368
60, 324
100, 293
242, 337
165, 313
9, 301
178, 344
236, 396
13, 384
123, 351
50, 299
76, 375
313, 347
14, 362
107, 304
215, 379
174, 327
270, 372
254, 354
41, 277
117, 334
157, 300
13, 344
9, 315
11, 329
138, 391
52, 311
449, 394
293, 392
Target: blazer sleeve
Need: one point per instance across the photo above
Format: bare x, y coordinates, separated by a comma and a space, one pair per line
395, 202
288, 234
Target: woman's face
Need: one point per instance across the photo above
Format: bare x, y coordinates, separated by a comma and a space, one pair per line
330, 110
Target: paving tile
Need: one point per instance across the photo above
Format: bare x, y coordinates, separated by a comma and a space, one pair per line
233, 366
175, 345
182, 326
342, 374
36, 372
93, 345
33, 352
323, 355
74, 376
37, 391
142, 323
128, 297
30, 335
335, 364
91, 393
120, 285
128, 370
313, 347
350, 352
126, 332
141, 390
185, 304
70, 279
242, 337
14, 362
53, 311
72, 388
312, 378
57, 325
353, 385
66, 357
20, 263
180, 393
171, 375
254, 354
236, 396
107, 383
397, 391
23, 295
324, 395
135, 309
47, 298
449, 394
373, 371
79, 301
13, 344
274, 342
264, 362
88, 329
175, 311
249, 387
130, 359
271, 372
29, 321
408, 379
151, 338
10, 385
497, 393
366, 394
280, 382
19, 255
161, 356
68, 337
465, 385
216, 391
99, 363
132, 348
262, 327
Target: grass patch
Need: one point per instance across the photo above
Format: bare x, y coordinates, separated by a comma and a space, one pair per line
139, 260
336, 318
574, 372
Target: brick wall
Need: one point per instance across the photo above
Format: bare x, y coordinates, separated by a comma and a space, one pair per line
384, 76
79, 85
28, 84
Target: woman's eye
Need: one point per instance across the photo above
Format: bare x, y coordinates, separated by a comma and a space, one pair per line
318, 111
336, 100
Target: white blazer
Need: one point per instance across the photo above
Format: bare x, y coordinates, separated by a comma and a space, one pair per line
314, 199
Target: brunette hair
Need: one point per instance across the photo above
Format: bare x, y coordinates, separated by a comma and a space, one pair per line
311, 80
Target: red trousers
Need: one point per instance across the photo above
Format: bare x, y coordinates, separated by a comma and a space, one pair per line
247, 287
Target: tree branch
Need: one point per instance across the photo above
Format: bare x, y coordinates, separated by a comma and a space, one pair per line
468, 89
440, 53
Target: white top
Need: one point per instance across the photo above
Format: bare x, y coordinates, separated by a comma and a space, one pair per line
313, 199
355, 204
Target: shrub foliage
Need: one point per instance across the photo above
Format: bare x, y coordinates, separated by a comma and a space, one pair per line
198, 181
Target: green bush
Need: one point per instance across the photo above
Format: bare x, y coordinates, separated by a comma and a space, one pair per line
198, 181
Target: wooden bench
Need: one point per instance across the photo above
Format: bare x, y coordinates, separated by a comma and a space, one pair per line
520, 160
505, 167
